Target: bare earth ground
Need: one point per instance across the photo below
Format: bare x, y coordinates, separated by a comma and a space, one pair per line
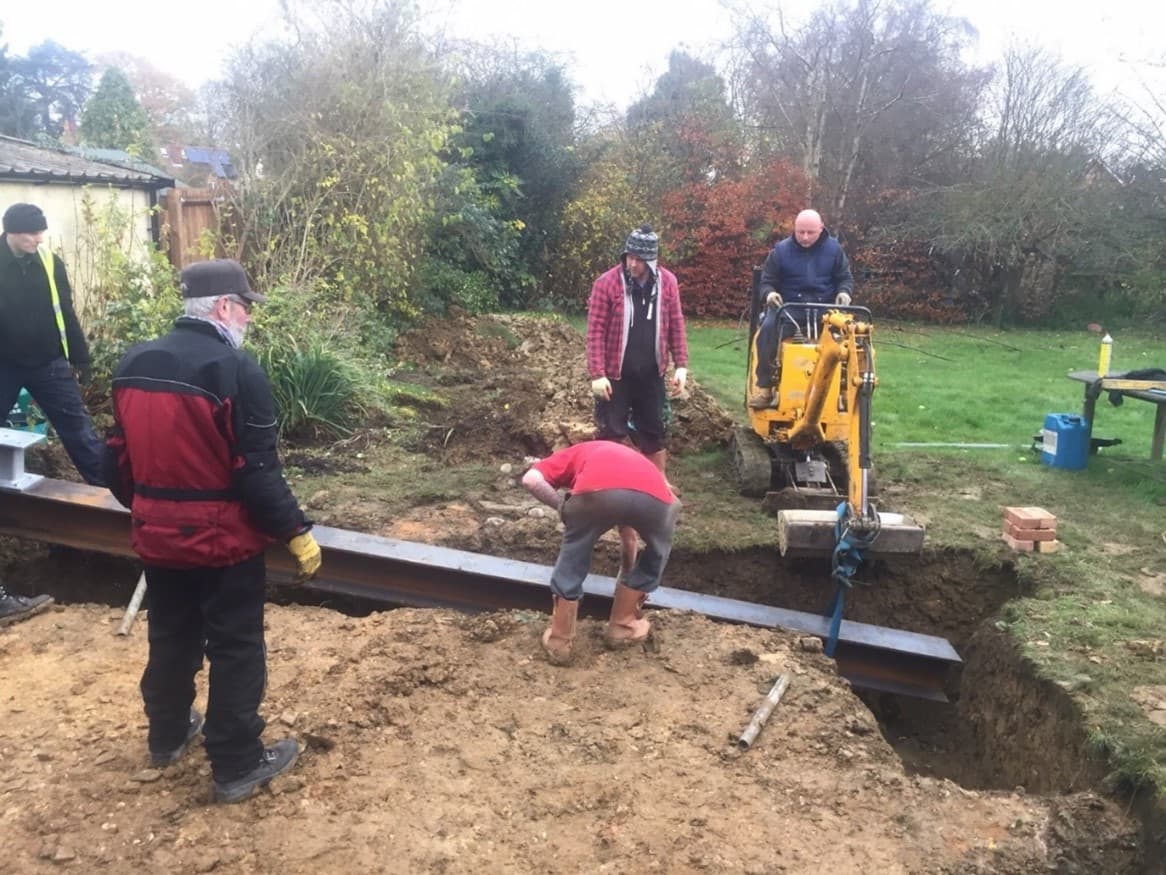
442, 743
435, 742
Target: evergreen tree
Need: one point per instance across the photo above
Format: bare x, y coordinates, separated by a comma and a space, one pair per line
113, 118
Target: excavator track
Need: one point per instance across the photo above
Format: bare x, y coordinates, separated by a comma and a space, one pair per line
393, 572
751, 461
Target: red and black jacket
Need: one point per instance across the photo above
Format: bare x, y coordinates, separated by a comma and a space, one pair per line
193, 452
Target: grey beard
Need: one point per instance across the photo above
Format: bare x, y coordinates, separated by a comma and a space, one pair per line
235, 335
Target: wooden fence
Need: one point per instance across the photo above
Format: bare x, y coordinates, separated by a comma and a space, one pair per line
188, 213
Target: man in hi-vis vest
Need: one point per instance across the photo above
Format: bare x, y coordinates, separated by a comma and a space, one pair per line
41, 342
41, 345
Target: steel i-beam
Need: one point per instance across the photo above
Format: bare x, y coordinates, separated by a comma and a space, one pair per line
394, 572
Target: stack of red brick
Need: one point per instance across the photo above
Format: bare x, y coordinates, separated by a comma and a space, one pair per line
1030, 528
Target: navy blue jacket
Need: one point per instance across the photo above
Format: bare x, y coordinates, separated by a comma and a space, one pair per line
807, 275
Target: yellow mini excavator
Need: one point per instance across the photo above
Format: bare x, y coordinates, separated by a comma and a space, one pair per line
811, 448
808, 454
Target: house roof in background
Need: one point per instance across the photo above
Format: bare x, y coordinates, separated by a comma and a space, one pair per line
25, 161
216, 159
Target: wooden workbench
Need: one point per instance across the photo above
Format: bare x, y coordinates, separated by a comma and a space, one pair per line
1153, 391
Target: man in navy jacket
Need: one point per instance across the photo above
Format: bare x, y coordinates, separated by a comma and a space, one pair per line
808, 267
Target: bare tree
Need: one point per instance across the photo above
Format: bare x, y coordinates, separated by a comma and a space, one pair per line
337, 128
868, 93
1030, 206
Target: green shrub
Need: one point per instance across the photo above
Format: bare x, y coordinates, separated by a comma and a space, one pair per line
442, 284
317, 393
132, 289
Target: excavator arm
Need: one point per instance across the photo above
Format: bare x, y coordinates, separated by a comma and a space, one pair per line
844, 345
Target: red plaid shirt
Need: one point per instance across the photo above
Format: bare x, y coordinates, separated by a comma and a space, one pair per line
607, 328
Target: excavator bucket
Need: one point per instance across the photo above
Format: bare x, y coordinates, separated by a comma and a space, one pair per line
812, 533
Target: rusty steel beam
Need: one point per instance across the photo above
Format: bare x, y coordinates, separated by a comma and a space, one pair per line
395, 572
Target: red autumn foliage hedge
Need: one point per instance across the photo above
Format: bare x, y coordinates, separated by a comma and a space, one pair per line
719, 231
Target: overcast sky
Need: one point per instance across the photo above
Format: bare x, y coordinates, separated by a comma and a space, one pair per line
617, 48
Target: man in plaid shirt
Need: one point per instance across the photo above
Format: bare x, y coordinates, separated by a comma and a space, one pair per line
634, 326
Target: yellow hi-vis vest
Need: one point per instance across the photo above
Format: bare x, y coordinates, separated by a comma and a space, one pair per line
46, 258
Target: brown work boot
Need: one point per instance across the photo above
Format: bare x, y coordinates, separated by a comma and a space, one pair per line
627, 625
559, 637
762, 399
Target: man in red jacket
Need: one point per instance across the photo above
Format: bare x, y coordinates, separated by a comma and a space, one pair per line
607, 484
193, 456
634, 327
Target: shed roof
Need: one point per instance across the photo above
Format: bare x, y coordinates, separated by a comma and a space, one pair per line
119, 157
28, 162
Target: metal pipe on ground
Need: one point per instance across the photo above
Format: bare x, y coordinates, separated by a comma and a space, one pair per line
134, 606
761, 715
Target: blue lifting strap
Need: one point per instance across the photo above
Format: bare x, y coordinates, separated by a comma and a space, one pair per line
849, 550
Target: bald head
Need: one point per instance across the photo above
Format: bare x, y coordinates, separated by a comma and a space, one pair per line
807, 228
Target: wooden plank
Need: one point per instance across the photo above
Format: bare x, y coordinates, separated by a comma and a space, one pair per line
1117, 380
811, 533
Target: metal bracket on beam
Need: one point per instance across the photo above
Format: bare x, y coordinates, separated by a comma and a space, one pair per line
13, 443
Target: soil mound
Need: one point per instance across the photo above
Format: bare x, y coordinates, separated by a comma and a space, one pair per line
517, 384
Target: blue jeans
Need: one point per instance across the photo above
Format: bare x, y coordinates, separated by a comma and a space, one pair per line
56, 392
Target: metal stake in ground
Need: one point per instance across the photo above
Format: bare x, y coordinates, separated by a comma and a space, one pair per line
134, 605
762, 713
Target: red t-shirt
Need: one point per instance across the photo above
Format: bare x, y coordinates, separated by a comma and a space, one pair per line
596, 465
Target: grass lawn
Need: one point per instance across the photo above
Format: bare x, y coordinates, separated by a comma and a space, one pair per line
1096, 619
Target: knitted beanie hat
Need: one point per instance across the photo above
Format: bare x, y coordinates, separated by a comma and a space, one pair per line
24, 219
642, 243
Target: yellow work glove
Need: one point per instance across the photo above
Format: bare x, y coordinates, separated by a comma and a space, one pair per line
773, 299
842, 299
307, 555
601, 389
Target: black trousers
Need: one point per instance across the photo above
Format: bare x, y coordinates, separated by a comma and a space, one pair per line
217, 612
640, 399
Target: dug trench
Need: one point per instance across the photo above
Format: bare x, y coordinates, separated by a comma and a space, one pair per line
1002, 729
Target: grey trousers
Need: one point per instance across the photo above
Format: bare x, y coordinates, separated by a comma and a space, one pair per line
588, 515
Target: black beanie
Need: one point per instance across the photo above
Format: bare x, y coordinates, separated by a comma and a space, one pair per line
24, 219
643, 243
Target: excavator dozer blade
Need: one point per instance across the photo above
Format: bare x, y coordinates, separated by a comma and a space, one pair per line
800, 498
811, 533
